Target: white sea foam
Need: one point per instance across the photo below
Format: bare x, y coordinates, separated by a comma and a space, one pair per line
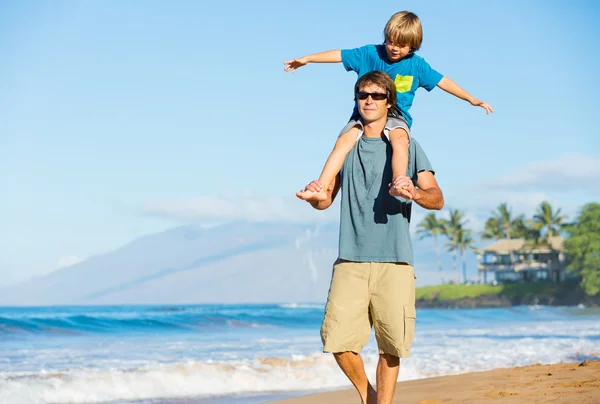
281, 360
176, 380
301, 306
435, 352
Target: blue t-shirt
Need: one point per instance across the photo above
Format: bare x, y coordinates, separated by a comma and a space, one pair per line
409, 73
374, 226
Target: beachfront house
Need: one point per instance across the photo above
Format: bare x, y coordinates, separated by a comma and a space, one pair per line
520, 260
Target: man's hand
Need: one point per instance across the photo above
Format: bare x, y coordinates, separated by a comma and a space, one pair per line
314, 193
477, 103
317, 195
403, 186
313, 186
294, 64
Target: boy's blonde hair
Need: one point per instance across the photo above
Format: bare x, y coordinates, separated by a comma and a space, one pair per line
404, 28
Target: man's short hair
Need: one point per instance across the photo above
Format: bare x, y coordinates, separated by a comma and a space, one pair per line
380, 79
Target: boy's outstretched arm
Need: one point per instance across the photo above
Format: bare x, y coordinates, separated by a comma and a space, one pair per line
449, 86
330, 56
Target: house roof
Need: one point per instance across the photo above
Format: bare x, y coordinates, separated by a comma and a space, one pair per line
504, 246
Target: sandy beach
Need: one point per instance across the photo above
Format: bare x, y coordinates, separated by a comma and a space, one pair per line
561, 383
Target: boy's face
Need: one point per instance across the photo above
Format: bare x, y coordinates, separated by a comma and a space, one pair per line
371, 109
394, 51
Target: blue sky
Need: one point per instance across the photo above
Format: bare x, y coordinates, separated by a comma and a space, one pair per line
120, 119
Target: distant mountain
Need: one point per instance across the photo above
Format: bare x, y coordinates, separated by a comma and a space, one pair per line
240, 262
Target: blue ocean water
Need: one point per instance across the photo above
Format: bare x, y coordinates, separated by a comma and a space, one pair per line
251, 353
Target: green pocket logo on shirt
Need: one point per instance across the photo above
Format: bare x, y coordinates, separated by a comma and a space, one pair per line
403, 83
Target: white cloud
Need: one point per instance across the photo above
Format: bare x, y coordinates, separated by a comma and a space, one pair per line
240, 207
67, 261
559, 181
567, 182
481, 204
568, 172
477, 205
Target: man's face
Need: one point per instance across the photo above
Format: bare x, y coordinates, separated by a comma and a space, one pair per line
372, 109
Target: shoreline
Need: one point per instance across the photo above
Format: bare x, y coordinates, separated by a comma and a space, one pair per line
483, 303
565, 293
562, 383
500, 301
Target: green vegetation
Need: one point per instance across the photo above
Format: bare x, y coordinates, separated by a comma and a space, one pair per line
501, 225
583, 248
549, 220
449, 292
456, 292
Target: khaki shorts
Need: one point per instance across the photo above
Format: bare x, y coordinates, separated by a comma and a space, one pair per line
367, 294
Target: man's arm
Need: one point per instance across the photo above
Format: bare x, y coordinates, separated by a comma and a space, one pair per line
428, 194
449, 86
332, 191
330, 56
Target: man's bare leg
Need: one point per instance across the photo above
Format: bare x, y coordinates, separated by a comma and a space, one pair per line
353, 367
387, 377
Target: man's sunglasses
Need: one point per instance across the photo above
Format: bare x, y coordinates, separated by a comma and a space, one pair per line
361, 95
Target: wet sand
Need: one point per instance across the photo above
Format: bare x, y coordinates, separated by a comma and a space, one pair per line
562, 383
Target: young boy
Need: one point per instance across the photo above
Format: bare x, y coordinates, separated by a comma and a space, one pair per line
403, 36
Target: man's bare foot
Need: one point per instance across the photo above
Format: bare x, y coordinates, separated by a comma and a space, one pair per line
307, 195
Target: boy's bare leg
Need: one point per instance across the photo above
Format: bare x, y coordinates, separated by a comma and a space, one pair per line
352, 365
399, 140
387, 377
333, 165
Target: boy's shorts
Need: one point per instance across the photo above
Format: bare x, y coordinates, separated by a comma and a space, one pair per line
395, 120
367, 294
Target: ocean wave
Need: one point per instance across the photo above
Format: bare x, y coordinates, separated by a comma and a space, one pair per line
157, 319
149, 367
431, 356
190, 379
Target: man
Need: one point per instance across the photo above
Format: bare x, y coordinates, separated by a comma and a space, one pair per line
373, 279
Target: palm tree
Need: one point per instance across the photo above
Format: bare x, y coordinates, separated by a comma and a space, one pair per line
465, 242
492, 230
521, 227
430, 226
503, 216
552, 222
548, 219
451, 228
453, 248
528, 230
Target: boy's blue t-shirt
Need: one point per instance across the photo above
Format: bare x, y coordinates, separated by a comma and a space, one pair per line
409, 73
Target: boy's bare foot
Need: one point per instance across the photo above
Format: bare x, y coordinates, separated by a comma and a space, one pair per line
308, 195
